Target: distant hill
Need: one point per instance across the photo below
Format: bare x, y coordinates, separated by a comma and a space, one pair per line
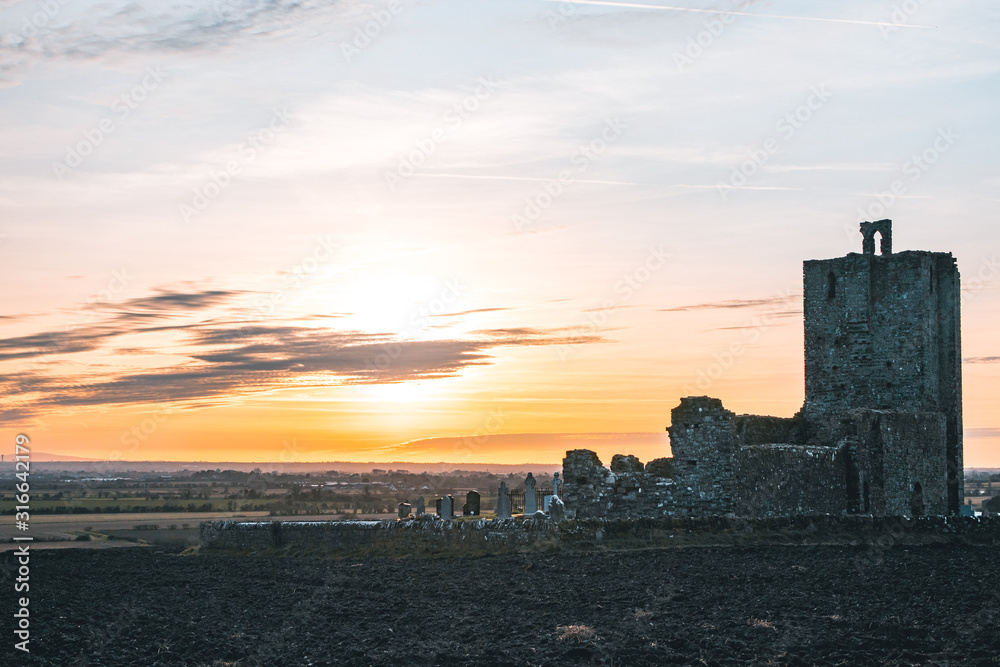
45, 457
78, 464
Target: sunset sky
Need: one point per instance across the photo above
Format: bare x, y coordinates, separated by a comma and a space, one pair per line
461, 230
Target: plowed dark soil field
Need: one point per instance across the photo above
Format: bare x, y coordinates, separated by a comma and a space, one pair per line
774, 605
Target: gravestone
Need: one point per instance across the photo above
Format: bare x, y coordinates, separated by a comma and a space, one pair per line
530, 499
555, 484
437, 506
472, 503
557, 509
447, 508
403, 510
503, 502
421, 509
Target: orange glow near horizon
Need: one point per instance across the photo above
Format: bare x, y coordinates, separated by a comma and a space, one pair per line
528, 406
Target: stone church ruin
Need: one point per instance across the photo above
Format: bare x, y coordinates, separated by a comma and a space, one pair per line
878, 440
881, 429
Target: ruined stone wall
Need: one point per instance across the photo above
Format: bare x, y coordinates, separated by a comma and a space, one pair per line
586, 484
760, 430
890, 452
591, 491
422, 535
782, 479
704, 440
949, 295
405, 538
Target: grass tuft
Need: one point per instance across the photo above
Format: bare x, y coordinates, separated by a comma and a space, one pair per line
577, 633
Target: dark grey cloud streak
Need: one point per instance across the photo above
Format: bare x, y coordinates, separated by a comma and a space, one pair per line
161, 26
165, 302
735, 304
221, 359
152, 27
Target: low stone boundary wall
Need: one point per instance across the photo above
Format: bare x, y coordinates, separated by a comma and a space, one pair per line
419, 536
815, 529
431, 535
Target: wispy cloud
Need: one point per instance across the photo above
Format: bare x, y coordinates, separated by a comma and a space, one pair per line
101, 29
111, 321
736, 303
879, 194
471, 312
213, 362
55, 342
668, 8
772, 315
160, 26
169, 303
522, 178
528, 336
838, 166
981, 360
735, 187
982, 432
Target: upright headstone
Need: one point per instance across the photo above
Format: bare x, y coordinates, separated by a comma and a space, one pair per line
437, 506
503, 502
530, 499
421, 508
403, 510
472, 503
557, 509
556, 482
447, 508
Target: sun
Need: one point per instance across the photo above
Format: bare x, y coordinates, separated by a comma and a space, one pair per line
382, 302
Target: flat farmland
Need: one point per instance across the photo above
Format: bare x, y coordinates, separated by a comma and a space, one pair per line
175, 528
754, 605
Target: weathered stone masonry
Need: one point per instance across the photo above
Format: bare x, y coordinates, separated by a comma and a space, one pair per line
591, 491
883, 332
881, 428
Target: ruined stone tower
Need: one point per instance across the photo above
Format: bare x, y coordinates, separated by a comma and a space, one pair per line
880, 431
882, 332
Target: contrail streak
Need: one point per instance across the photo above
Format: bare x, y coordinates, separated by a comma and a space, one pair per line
735, 187
522, 178
723, 11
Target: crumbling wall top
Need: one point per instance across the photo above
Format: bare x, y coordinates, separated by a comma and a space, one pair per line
697, 410
869, 229
626, 463
584, 458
